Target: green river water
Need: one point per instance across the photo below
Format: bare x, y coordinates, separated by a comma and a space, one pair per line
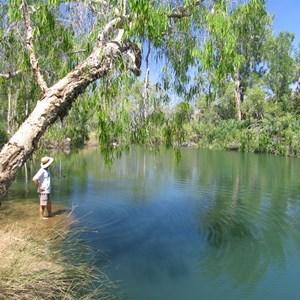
216, 225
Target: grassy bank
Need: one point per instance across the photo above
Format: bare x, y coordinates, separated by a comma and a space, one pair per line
33, 264
275, 135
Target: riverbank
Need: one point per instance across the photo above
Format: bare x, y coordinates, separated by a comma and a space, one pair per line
33, 264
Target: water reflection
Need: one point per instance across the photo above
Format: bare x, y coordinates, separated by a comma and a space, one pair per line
218, 224
249, 227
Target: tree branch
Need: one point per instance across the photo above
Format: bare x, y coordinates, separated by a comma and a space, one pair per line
146, 81
109, 27
30, 48
183, 11
77, 51
124, 4
9, 75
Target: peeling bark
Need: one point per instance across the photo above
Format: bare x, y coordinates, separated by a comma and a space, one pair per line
238, 97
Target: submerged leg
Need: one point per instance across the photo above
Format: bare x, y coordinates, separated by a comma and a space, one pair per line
42, 208
49, 208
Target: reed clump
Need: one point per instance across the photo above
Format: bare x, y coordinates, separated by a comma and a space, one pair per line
34, 265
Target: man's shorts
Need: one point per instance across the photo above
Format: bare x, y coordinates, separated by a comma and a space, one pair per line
44, 199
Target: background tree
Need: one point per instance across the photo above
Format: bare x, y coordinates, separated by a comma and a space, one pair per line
281, 67
233, 48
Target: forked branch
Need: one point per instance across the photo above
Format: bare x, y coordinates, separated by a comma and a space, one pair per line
9, 75
109, 27
183, 11
30, 48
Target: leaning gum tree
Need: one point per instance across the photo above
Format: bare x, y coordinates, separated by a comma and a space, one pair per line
109, 38
128, 21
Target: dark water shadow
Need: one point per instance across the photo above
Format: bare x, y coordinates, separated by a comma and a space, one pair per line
61, 212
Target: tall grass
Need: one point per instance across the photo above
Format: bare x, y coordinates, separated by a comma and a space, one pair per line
33, 264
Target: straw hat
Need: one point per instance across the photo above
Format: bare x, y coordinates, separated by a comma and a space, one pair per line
46, 161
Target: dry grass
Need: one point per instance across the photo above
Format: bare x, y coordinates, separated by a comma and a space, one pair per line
32, 265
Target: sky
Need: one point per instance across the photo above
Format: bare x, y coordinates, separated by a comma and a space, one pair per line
286, 16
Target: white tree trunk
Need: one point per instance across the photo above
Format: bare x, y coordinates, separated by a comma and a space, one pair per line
8, 112
146, 83
238, 98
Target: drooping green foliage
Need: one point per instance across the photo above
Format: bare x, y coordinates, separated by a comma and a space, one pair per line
233, 48
221, 54
53, 41
150, 20
174, 131
281, 66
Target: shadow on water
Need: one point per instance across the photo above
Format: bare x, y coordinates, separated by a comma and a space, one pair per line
59, 212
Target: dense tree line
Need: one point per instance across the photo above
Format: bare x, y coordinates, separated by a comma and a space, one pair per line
207, 73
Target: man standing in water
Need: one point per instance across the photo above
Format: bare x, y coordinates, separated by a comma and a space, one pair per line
42, 180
